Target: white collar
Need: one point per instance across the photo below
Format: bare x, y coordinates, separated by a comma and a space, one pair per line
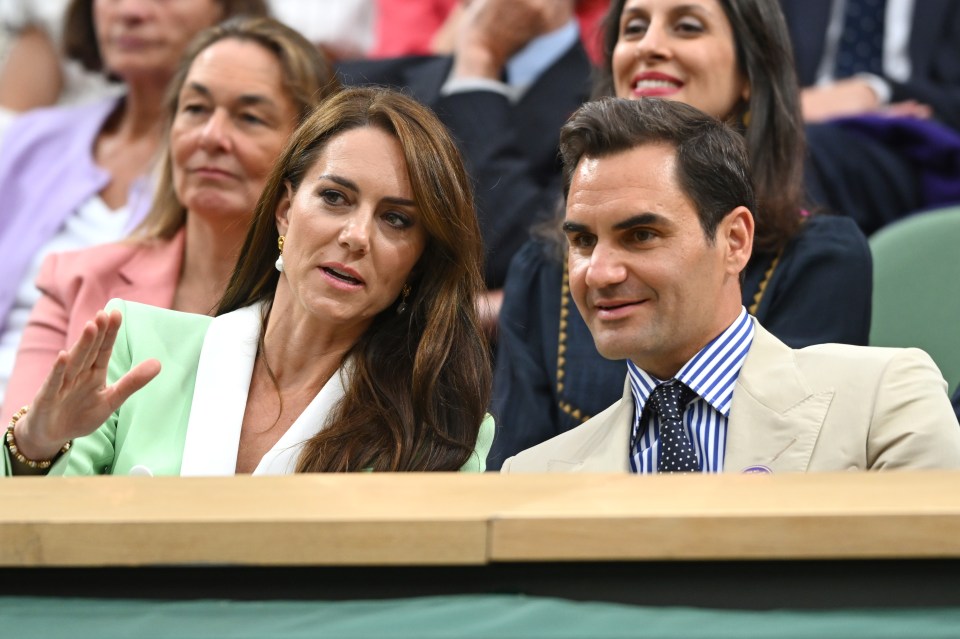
220, 399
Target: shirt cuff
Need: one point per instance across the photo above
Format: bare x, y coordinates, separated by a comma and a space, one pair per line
464, 85
879, 86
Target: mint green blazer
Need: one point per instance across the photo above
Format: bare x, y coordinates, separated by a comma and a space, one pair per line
147, 434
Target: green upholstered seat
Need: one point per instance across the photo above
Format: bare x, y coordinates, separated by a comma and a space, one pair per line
916, 289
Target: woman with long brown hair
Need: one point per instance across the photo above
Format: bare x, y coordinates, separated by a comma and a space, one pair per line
348, 338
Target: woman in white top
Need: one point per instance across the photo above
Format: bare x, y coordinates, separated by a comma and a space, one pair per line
350, 321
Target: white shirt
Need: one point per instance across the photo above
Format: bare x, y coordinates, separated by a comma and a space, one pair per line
712, 374
896, 44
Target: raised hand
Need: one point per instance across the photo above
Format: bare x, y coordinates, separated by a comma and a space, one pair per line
74, 400
491, 31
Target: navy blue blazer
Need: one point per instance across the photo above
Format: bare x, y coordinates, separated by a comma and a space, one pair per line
820, 292
510, 149
934, 51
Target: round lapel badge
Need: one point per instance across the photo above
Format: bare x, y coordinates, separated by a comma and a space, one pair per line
756, 470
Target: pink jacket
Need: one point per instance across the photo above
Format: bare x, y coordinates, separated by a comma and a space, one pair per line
75, 285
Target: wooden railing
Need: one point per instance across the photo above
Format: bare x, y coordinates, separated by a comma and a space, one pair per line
471, 520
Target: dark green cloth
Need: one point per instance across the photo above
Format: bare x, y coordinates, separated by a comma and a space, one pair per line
473, 616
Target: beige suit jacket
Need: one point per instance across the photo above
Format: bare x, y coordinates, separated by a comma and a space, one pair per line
829, 407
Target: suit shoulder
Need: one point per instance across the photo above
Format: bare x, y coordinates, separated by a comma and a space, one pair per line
91, 261
53, 123
564, 445
865, 368
841, 353
143, 318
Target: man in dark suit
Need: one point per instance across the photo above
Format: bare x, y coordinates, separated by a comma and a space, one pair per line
517, 72
932, 52
876, 171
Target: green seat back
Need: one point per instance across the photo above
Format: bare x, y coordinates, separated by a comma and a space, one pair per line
916, 287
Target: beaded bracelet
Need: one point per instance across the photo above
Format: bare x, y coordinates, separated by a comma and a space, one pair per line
42, 464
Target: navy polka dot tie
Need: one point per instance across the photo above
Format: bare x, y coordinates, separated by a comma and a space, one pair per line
860, 49
675, 453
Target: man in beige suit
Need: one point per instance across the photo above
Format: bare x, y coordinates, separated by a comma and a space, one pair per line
659, 226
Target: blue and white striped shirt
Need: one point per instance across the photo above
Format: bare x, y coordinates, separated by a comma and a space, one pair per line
711, 374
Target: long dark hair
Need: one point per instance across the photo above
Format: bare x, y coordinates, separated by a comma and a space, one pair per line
419, 381
775, 136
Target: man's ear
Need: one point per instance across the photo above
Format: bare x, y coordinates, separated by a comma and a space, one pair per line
283, 209
735, 236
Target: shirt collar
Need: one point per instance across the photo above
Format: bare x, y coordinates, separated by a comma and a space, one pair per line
539, 55
712, 373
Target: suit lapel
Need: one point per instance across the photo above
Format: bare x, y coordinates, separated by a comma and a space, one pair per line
223, 378
425, 80
808, 21
220, 396
150, 275
775, 418
605, 446
929, 17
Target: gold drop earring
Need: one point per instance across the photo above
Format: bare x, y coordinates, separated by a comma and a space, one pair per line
279, 262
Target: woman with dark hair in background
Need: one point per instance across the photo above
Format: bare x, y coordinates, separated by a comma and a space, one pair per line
72, 177
241, 90
348, 338
809, 280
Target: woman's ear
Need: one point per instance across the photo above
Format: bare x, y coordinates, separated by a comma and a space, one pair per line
283, 209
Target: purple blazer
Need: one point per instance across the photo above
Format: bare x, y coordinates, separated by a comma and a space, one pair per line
47, 170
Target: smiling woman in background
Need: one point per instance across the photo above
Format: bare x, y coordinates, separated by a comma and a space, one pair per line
348, 338
73, 177
241, 90
809, 280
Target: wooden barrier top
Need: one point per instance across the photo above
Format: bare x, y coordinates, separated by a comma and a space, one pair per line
474, 519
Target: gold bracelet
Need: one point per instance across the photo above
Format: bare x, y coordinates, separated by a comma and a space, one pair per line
11, 442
